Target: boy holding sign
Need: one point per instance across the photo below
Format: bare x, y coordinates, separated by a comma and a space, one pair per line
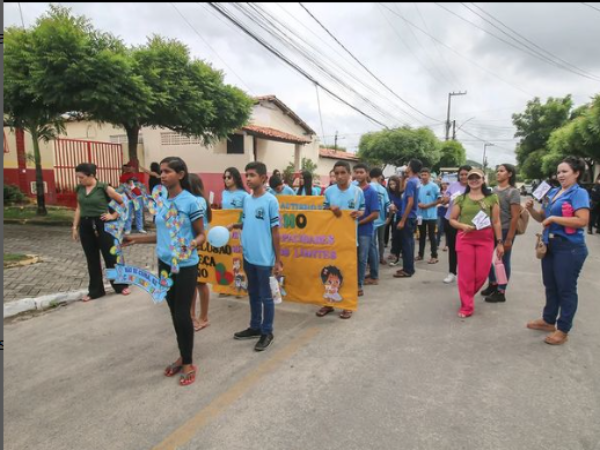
262, 255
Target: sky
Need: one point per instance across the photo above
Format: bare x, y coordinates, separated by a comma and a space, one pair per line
413, 54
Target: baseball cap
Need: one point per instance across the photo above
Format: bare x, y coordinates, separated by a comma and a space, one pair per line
476, 172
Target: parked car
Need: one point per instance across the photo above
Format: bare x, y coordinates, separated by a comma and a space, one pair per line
527, 188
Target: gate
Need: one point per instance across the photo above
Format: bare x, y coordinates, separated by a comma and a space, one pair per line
68, 153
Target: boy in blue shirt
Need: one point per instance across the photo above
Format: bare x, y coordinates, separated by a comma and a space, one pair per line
339, 197
260, 243
429, 198
377, 244
278, 188
408, 219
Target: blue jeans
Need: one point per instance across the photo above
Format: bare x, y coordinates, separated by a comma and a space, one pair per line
505, 261
560, 270
374, 255
440, 230
262, 308
408, 246
364, 245
139, 217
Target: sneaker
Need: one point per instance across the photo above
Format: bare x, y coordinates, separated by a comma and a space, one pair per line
264, 341
247, 334
143, 231
128, 232
395, 263
489, 290
496, 297
451, 278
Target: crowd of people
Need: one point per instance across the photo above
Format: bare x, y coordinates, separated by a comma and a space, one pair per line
479, 227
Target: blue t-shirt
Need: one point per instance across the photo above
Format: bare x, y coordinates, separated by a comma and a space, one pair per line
397, 201
578, 198
428, 193
371, 205
233, 200
384, 203
285, 191
411, 191
315, 191
351, 199
203, 207
188, 209
259, 216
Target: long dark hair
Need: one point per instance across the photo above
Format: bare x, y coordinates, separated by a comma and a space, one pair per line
178, 165
512, 180
88, 169
307, 185
237, 177
197, 189
155, 167
396, 191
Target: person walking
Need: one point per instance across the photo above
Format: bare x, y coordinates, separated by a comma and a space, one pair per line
510, 210
476, 216
564, 217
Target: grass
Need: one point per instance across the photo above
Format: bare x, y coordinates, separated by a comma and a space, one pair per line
11, 258
27, 214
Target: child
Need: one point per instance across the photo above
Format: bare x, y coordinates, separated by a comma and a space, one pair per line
338, 197
278, 188
197, 189
260, 241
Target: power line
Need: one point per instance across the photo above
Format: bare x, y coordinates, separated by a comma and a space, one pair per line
21, 13
275, 52
210, 46
362, 65
590, 6
527, 49
458, 53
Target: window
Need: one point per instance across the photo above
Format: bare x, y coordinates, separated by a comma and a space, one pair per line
171, 138
235, 144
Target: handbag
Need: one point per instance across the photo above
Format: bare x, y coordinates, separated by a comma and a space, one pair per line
540, 248
523, 221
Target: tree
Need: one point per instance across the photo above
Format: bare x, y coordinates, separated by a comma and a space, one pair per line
306, 164
452, 154
399, 145
534, 127
158, 84
22, 106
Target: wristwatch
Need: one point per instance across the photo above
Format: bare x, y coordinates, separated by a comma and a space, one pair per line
499, 241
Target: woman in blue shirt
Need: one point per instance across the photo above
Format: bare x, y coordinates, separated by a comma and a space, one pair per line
234, 194
306, 185
567, 251
175, 178
395, 193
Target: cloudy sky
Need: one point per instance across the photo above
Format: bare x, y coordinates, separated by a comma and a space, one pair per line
419, 53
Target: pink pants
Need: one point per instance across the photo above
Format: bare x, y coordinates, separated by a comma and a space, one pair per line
475, 250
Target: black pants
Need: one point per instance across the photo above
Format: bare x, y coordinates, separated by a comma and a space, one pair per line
396, 239
451, 242
179, 299
388, 229
428, 227
96, 241
594, 219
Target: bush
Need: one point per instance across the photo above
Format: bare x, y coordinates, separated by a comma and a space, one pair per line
13, 195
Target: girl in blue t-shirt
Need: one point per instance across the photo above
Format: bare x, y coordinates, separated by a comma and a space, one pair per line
306, 185
234, 194
175, 178
197, 189
565, 215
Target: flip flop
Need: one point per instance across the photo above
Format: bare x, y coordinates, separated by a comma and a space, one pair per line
201, 327
345, 314
173, 369
86, 299
185, 379
126, 291
433, 261
464, 315
324, 311
402, 274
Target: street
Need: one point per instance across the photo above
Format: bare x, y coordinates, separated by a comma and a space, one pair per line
404, 372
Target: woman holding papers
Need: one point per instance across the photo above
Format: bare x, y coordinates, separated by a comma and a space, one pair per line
476, 216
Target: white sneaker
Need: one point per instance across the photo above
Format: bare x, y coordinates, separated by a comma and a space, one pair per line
143, 232
451, 278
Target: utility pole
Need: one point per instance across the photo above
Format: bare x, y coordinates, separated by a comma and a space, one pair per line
454, 130
484, 162
335, 141
450, 94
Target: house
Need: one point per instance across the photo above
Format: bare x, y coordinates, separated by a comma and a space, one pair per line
328, 157
275, 135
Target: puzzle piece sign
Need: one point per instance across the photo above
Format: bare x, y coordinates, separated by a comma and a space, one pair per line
155, 286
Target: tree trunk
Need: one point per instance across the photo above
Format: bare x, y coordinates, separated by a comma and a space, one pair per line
133, 133
39, 175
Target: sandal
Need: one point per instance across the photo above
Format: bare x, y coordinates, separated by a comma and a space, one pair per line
402, 274
86, 299
419, 258
324, 311
361, 292
464, 315
201, 326
187, 378
345, 314
173, 369
125, 291
433, 261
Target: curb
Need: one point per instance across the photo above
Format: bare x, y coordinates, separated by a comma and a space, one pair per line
17, 307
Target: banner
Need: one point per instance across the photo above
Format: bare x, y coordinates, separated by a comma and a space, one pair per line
301, 202
318, 251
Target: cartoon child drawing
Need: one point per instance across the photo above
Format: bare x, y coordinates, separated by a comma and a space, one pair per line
332, 279
239, 279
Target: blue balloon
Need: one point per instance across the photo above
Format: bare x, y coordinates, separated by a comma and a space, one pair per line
218, 236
